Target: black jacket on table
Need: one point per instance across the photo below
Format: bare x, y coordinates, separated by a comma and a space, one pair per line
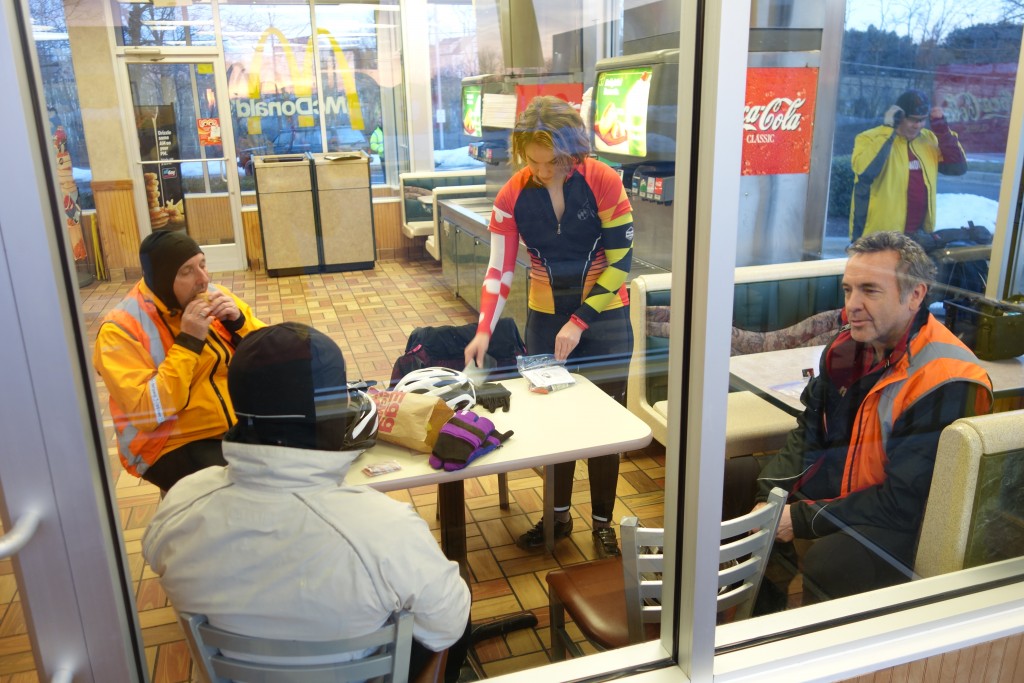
815, 464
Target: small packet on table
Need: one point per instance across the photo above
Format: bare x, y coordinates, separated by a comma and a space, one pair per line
381, 468
544, 373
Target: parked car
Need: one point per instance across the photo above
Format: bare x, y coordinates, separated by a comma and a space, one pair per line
302, 140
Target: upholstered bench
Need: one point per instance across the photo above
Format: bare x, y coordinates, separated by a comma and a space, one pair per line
752, 424
417, 213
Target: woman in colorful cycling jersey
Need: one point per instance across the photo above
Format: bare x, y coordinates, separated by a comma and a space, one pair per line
572, 213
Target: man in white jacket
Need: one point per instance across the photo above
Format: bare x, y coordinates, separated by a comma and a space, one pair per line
276, 544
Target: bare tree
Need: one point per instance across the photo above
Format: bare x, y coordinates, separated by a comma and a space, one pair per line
926, 21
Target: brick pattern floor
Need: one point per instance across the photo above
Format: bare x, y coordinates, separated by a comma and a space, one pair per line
370, 315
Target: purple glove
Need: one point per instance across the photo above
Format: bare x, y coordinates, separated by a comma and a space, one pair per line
463, 439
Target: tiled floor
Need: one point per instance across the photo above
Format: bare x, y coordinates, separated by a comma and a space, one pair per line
370, 314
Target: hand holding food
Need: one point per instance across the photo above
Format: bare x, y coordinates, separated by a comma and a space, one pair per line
196, 318
222, 306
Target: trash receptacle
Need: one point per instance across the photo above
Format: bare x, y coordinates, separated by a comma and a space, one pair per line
284, 193
344, 211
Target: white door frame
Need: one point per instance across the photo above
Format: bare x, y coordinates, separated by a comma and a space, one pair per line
219, 257
72, 573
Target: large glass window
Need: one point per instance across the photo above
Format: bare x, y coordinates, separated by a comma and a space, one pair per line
916, 144
305, 76
175, 24
359, 108
268, 51
453, 56
291, 94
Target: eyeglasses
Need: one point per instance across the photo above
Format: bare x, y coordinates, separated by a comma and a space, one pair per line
916, 119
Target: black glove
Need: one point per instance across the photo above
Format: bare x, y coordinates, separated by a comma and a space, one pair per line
493, 396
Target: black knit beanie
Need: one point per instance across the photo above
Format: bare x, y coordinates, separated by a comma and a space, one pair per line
914, 103
161, 254
288, 385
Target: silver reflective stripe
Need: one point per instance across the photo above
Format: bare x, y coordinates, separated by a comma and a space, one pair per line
158, 406
124, 440
932, 351
936, 350
132, 308
885, 404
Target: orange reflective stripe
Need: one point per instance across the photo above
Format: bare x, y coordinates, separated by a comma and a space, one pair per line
934, 358
137, 449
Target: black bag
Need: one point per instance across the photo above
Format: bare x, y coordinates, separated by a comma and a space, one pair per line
444, 346
961, 258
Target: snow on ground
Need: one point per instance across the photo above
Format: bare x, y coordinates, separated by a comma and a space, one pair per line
955, 210
454, 159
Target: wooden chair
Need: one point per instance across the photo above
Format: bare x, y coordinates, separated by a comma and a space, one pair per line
617, 602
221, 656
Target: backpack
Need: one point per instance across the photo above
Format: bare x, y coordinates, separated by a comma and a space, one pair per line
444, 346
961, 258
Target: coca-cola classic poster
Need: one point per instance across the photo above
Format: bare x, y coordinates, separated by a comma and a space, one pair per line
778, 120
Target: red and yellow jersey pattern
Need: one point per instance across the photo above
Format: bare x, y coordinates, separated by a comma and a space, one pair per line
579, 264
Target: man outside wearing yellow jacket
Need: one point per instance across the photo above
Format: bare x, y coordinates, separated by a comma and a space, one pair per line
897, 166
163, 353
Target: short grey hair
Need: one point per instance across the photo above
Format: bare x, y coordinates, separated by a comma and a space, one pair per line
915, 266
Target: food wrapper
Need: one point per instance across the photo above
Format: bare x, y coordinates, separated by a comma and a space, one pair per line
410, 420
544, 373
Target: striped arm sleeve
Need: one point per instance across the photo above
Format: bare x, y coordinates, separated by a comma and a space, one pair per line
500, 268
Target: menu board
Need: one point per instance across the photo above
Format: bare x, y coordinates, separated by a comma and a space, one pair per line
621, 98
472, 110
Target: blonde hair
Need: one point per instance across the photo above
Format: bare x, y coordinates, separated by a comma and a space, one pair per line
552, 123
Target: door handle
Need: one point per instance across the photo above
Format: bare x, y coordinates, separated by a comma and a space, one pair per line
15, 539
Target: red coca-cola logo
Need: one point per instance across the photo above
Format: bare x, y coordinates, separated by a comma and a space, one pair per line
782, 113
778, 120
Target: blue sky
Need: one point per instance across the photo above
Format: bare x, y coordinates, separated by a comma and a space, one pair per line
909, 16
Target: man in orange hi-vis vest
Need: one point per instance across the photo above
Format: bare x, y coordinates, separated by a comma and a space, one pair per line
858, 466
163, 353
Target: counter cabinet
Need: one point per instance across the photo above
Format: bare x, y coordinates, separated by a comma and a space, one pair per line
465, 250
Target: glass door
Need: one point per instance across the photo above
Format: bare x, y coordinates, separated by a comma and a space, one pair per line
184, 143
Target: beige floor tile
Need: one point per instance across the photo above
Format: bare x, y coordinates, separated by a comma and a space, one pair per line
371, 314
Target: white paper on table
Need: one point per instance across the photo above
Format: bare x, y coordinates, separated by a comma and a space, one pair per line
794, 389
548, 377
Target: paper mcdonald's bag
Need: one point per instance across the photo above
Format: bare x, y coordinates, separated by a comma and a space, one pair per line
410, 420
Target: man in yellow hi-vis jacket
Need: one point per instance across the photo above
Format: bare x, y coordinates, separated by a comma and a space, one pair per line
163, 353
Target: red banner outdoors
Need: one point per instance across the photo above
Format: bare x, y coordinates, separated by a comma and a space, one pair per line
976, 99
778, 120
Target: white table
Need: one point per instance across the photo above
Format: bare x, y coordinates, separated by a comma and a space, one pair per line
579, 422
778, 375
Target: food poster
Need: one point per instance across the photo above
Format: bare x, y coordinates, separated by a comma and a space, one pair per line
472, 108
158, 141
69, 192
620, 111
209, 132
778, 120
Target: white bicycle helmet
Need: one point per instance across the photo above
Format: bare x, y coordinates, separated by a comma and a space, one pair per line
363, 423
451, 386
